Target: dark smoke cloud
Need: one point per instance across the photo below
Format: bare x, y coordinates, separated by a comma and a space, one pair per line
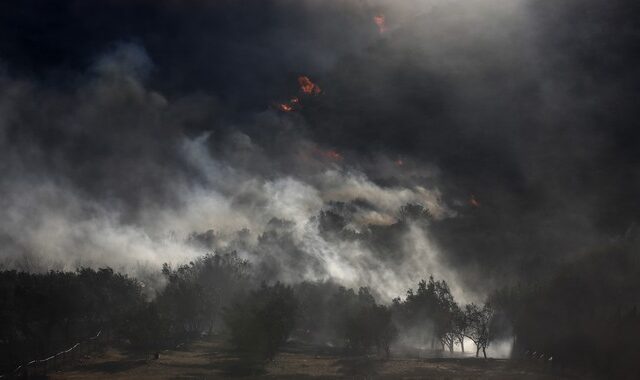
131, 128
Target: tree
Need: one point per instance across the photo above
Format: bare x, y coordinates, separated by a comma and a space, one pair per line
460, 326
370, 326
42, 313
432, 308
196, 293
146, 328
261, 322
478, 321
412, 212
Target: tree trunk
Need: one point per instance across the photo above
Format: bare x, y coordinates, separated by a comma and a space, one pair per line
462, 345
484, 352
66, 332
477, 350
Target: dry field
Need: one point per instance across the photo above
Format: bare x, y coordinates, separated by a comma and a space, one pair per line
210, 360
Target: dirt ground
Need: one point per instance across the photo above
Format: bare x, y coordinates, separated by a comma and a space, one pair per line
210, 360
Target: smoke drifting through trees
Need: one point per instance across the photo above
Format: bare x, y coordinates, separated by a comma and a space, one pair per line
220, 294
215, 294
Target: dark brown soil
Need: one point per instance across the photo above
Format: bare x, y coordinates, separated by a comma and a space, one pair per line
211, 360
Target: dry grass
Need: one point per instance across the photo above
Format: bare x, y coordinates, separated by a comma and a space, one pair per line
210, 360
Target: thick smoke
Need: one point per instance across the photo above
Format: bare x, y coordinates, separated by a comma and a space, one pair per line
139, 204
134, 133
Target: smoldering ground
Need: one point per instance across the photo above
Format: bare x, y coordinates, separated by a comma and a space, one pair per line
127, 127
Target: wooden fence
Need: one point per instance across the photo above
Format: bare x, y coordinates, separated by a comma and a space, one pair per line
40, 367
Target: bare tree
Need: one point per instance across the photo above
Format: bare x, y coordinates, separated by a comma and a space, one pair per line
478, 320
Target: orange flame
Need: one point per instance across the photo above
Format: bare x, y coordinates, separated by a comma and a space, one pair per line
330, 155
307, 86
473, 201
380, 22
285, 107
291, 105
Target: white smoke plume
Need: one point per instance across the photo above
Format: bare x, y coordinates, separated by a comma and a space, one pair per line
54, 220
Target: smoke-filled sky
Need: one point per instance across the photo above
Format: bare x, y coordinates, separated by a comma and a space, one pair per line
143, 131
